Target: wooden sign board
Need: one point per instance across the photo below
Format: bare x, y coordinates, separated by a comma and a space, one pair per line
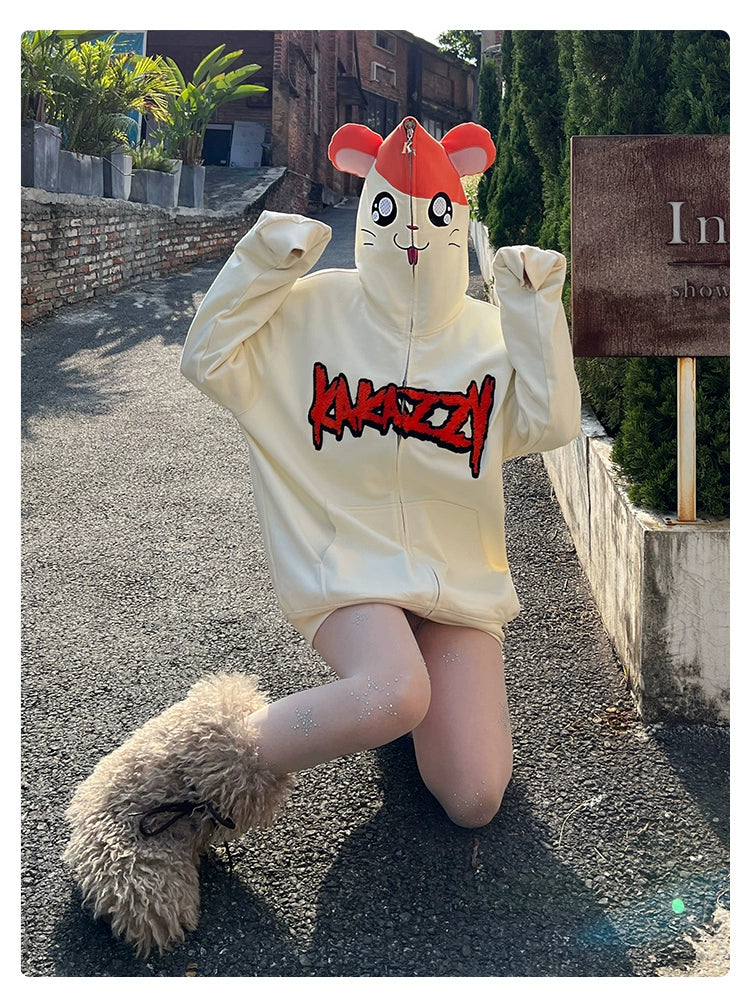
650, 246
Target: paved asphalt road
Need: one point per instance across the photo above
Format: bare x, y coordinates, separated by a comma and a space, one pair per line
143, 570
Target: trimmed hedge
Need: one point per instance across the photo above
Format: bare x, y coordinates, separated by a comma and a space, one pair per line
557, 84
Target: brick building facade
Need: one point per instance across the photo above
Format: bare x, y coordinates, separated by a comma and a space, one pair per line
318, 80
405, 75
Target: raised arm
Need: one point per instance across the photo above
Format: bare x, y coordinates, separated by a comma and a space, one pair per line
543, 404
250, 288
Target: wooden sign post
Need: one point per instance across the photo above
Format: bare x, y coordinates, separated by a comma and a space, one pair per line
650, 261
686, 440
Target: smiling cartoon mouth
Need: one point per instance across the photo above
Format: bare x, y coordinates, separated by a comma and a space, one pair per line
412, 250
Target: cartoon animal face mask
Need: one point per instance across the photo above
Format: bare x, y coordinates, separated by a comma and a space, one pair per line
413, 220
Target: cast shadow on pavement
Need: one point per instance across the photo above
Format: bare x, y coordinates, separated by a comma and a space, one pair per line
64, 357
407, 894
237, 932
412, 894
702, 769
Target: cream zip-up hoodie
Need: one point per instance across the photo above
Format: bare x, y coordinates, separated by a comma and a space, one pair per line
379, 403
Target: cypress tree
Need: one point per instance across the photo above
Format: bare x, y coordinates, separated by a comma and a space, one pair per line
645, 447
712, 434
697, 101
645, 444
489, 117
514, 200
591, 63
598, 58
489, 97
613, 82
637, 100
564, 40
698, 98
542, 105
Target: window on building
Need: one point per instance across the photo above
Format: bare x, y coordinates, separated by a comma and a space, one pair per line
381, 114
384, 40
434, 128
382, 74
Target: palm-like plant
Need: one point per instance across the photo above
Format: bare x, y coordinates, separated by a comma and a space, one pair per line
194, 102
100, 87
44, 68
153, 157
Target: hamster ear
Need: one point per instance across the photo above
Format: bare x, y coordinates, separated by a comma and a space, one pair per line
353, 148
469, 147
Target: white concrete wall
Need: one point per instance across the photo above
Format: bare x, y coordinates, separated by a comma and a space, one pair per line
662, 589
686, 619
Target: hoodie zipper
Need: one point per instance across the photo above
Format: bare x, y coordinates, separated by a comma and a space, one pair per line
409, 152
399, 440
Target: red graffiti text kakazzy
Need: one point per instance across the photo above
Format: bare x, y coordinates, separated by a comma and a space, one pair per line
407, 411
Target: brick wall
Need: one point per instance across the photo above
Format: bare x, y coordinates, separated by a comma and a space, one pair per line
393, 88
414, 78
305, 104
75, 248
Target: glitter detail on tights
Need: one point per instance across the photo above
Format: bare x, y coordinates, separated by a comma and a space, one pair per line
477, 802
371, 703
305, 722
451, 657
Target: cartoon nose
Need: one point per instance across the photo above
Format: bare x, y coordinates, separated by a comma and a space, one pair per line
413, 227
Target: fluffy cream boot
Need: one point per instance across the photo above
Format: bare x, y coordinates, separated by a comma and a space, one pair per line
187, 779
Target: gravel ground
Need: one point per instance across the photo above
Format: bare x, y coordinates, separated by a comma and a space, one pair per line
143, 570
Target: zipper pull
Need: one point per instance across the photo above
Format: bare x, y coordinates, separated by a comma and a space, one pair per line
409, 125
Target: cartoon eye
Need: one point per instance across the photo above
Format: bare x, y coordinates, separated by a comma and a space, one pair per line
441, 210
383, 209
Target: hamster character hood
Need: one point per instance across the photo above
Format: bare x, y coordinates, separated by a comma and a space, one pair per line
379, 403
411, 247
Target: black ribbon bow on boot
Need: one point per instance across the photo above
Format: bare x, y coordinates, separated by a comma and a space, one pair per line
177, 811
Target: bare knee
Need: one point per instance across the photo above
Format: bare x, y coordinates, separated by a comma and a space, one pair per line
474, 803
405, 695
412, 696
391, 703
373, 650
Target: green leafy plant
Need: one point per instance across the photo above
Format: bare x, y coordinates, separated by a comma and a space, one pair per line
489, 116
465, 44
153, 157
193, 103
470, 184
98, 90
44, 68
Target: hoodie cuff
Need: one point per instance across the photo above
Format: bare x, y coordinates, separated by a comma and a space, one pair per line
527, 263
287, 241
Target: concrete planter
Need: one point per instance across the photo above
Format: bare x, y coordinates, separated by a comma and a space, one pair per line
192, 183
159, 188
118, 169
82, 174
40, 155
662, 588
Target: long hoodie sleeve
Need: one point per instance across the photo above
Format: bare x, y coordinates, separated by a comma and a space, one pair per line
543, 405
248, 291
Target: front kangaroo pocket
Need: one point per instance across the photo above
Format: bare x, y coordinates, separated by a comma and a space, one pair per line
468, 564
366, 556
